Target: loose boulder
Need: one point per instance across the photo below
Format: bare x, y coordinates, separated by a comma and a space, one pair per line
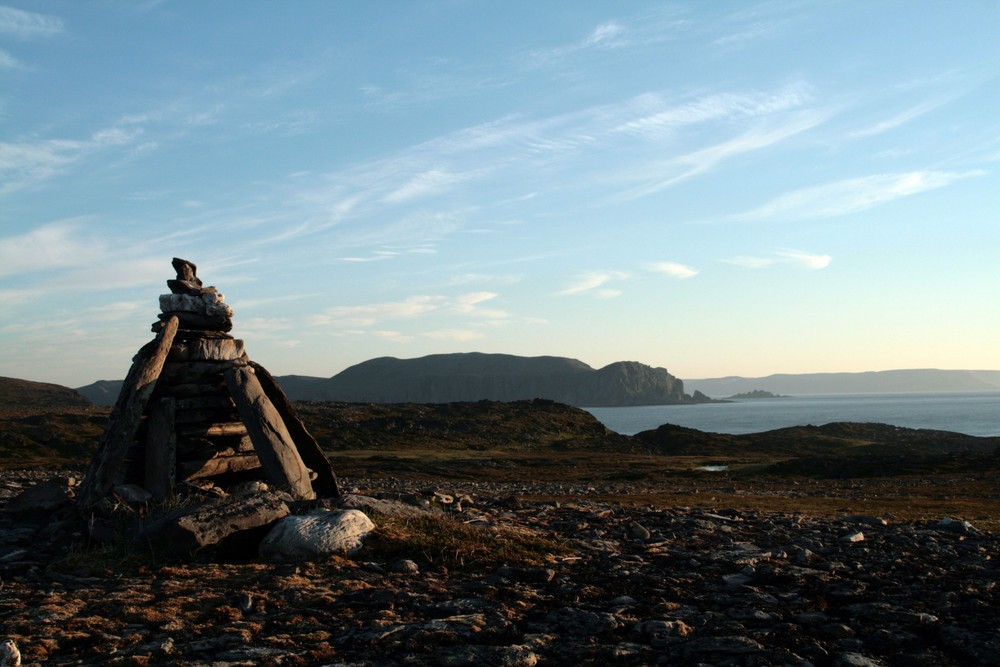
315, 535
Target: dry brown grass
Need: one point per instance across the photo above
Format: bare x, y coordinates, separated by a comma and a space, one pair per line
449, 543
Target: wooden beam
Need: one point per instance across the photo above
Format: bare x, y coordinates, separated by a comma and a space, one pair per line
325, 483
126, 416
161, 450
213, 430
197, 372
219, 465
271, 440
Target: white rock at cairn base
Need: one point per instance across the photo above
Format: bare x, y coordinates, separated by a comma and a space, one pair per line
9, 655
316, 535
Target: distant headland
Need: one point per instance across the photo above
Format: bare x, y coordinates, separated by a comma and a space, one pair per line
474, 376
755, 394
443, 378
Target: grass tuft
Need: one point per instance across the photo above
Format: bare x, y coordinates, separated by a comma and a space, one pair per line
449, 543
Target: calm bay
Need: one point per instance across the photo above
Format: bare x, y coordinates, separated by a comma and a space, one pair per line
970, 413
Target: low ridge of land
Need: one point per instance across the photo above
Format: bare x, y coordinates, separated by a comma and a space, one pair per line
18, 394
901, 381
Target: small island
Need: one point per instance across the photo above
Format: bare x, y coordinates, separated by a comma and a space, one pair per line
757, 393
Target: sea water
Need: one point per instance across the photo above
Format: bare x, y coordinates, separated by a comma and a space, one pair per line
970, 413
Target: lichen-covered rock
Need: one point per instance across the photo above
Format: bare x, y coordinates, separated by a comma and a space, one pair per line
215, 520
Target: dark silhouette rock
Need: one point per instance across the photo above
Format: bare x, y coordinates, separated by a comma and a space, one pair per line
474, 376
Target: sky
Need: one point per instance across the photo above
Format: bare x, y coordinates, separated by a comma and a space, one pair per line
716, 188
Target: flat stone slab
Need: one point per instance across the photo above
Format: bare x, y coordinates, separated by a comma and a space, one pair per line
213, 521
388, 507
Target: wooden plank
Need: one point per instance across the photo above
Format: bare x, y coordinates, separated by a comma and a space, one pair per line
218, 465
197, 372
199, 449
271, 440
214, 389
193, 416
206, 402
213, 430
325, 483
161, 450
125, 416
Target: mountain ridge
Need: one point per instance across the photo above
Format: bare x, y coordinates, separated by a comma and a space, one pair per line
473, 376
361, 382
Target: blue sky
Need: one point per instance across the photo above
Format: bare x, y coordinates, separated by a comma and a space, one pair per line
718, 188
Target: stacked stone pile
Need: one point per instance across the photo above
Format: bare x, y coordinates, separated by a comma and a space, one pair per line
210, 437
195, 410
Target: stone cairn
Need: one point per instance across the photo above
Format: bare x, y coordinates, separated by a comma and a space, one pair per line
194, 409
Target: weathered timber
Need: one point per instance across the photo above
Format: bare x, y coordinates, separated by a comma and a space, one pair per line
209, 415
161, 450
195, 372
325, 483
215, 402
218, 465
126, 416
195, 392
215, 520
213, 430
199, 449
271, 440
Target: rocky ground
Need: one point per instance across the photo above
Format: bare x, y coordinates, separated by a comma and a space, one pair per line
628, 584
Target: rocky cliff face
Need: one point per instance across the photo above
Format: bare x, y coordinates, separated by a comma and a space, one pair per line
446, 378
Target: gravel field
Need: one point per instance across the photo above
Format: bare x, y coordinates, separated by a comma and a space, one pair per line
631, 585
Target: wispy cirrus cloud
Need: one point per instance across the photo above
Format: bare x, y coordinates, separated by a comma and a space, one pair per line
27, 163
672, 269
371, 314
901, 118
753, 32
574, 141
671, 171
8, 61
24, 25
608, 35
717, 106
468, 304
63, 257
425, 183
851, 195
56, 245
592, 283
655, 24
805, 260
362, 317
